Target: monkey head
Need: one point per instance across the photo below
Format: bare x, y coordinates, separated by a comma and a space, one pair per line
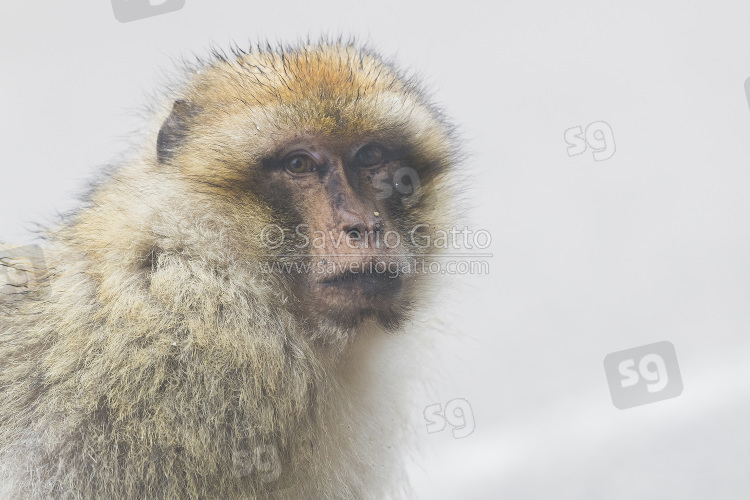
330, 166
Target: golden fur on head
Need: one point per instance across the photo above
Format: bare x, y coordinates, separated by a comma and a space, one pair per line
160, 360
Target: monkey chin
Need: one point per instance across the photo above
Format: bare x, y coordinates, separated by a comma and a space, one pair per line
341, 303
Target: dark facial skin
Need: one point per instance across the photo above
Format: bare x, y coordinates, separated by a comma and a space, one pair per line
334, 191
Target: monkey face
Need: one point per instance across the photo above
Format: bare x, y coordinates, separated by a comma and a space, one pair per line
348, 253
331, 154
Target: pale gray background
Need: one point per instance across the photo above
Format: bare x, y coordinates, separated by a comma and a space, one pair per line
590, 257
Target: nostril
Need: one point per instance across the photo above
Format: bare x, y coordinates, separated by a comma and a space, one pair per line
363, 231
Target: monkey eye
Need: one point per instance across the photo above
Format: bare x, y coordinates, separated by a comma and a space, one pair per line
369, 155
299, 164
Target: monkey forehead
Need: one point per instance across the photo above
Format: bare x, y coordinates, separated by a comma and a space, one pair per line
331, 90
255, 133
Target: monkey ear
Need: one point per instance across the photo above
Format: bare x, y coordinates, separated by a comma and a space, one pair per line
174, 130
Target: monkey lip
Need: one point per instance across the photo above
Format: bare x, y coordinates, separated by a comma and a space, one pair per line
367, 282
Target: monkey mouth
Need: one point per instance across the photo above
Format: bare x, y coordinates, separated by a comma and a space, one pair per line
367, 283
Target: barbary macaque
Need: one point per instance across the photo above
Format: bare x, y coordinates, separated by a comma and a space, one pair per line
187, 339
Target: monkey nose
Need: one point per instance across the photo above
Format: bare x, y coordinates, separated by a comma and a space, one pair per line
363, 230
